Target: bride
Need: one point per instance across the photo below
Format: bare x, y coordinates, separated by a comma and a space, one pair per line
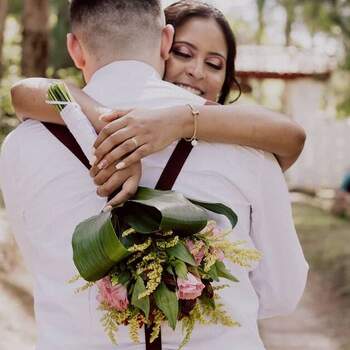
202, 60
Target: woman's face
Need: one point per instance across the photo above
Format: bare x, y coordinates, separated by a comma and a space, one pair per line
198, 58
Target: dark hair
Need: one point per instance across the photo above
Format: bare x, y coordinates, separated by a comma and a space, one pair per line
180, 12
122, 23
79, 9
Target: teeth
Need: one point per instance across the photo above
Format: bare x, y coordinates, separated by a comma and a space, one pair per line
190, 89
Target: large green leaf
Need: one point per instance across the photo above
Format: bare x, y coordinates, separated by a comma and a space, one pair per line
182, 253
153, 210
167, 302
96, 247
218, 208
143, 303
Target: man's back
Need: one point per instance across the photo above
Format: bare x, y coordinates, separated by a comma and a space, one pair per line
50, 191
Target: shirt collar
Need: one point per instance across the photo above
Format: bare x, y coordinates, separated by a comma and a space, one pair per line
127, 70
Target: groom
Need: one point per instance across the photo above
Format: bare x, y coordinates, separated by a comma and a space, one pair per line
120, 46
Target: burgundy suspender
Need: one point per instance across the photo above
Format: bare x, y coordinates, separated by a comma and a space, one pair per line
64, 135
165, 182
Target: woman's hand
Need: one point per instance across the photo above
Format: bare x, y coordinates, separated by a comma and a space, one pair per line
111, 180
130, 136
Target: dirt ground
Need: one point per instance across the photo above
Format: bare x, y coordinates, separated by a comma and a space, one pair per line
311, 327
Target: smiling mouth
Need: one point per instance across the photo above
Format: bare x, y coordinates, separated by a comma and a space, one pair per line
191, 89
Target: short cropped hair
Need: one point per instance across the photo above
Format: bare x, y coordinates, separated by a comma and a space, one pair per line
110, 25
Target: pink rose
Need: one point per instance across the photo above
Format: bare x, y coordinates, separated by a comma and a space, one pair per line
114, 296
190, 288
197, 254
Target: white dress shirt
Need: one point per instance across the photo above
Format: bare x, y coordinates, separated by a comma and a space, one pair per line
48, 192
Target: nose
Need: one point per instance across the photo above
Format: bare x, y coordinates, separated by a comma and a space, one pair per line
196, 70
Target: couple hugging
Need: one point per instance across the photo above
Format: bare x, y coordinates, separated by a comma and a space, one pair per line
148, 80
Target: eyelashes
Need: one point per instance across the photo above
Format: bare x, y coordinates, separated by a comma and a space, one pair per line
214, 66
181, 54
185, 55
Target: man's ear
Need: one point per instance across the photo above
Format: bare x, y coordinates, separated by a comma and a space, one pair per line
167, 41
76, 51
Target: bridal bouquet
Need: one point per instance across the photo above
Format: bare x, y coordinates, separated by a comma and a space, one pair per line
156, 259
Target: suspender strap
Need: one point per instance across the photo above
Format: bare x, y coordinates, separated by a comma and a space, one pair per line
174, 166
63, 134
165, 182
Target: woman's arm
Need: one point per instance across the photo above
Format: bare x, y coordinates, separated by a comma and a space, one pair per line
29, 96
252, 126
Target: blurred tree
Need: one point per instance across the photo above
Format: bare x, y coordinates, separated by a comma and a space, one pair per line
35, 40
59, 57
333, 18
290, 8
3, 14
261, 21
15, 7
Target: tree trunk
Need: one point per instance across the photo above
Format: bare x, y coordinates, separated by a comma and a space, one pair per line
290, 12
3, 13
35, 41
261, 22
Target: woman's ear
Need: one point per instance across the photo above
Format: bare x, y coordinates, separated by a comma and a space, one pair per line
76, 51
167, 41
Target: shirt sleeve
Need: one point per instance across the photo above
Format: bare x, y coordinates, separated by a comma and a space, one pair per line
280, 278
81, 128
9, 163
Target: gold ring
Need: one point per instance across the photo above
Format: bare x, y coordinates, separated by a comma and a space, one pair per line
135, 142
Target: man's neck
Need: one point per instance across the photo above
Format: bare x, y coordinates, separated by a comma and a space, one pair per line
89, 72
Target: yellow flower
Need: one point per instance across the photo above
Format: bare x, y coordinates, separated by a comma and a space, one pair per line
158, 318
165, 244
140, 247
154, 276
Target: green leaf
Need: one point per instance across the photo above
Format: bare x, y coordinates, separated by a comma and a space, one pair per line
169, 269
208, 301
167, 302
223, 272
152, 210
213, 273
96, 247
180, 268
124, 278
143, 303
59, 92
181, 252
218, 208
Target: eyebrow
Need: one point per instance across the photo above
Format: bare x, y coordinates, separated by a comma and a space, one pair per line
195, 48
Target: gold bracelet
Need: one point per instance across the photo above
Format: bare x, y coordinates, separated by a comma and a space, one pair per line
195, 114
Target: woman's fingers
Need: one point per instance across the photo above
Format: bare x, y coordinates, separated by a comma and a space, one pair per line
113, 141
101, 177
128, 190
109, 117
115, 156
141, 152
118, 178
109, 130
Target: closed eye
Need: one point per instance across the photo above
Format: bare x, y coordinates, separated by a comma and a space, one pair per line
214, 66
181, 54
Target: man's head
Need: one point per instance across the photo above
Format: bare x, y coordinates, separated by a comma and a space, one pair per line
104, 31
